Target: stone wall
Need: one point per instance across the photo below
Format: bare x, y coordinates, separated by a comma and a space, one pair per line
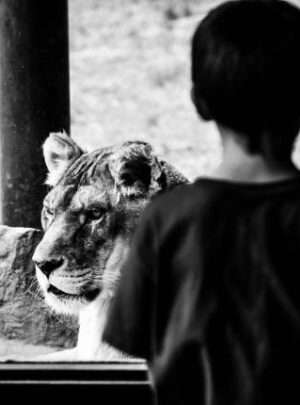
23, 314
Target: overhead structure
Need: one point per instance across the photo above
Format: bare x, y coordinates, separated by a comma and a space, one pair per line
34, 100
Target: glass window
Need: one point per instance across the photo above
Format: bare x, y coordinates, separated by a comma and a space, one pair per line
129, 80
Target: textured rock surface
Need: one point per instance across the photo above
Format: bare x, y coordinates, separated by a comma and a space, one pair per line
23, 314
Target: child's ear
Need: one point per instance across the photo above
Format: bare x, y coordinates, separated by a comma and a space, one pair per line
59, 152
200, 105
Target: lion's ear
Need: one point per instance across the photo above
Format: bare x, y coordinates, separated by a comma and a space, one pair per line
136, 170
59, 152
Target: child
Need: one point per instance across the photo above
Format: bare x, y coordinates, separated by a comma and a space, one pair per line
209, 293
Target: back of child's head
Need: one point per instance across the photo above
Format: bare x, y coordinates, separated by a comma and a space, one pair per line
246, 72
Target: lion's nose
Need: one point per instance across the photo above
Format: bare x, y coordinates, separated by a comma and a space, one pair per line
48, 266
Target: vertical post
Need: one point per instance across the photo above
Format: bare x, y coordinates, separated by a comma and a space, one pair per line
34, 100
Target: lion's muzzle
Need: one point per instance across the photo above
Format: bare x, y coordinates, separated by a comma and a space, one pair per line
48, 266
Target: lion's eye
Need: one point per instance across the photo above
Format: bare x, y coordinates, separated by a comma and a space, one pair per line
49, 211
94, 214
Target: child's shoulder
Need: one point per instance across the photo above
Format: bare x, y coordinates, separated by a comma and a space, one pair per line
185, 198
205, 193
201, 189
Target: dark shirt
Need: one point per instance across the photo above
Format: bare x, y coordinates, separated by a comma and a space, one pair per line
210, 295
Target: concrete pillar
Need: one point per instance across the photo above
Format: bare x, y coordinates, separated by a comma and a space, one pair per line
34, 100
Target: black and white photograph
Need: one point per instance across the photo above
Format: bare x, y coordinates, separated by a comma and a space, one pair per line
150, 201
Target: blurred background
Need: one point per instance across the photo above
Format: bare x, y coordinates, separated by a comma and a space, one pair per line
130, 78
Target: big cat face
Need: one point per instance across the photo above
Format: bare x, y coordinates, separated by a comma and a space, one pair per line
89, 216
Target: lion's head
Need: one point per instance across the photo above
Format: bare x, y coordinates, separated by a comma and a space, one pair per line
89, 216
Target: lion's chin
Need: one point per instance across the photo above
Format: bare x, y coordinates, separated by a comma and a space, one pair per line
63, 302
72, 304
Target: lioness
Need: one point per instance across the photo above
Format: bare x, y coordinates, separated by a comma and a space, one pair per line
88, 218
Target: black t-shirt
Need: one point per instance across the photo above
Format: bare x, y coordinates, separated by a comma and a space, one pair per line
210, 296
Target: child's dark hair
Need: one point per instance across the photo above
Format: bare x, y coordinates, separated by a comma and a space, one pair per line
246, 72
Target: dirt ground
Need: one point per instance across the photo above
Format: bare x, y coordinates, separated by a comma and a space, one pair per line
12, 348
130, 78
